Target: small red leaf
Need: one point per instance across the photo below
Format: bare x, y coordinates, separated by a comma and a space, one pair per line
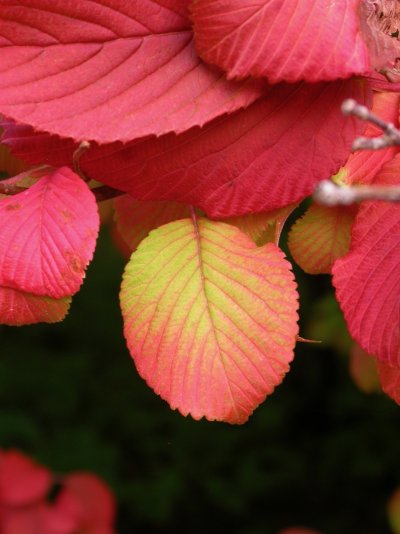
284, 40
48, 235
22, 481
210, 318
18, 308
85, 504
109, 70
136, 218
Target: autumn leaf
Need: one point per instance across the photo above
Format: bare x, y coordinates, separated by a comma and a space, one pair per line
48, 235
289, 40
368, 277
209, 318
108, 71
321, 236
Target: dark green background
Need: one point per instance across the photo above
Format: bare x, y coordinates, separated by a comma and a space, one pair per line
317, 453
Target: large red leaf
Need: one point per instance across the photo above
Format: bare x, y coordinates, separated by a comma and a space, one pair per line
210, 318
262, 158
48, 235
367, 280
284, 40
108, 70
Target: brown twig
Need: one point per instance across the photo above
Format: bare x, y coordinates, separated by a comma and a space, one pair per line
76, 156
390, 137
328, 193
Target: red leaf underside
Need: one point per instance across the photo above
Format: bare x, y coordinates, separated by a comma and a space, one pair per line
110, 70
287, 40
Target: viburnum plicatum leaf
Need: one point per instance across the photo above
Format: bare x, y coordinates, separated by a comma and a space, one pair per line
284, 40
22, 481
262, 158
19, 308
263, 227
321, 236
48, 235
367, 279
390, 380
136, 218
109, 70
210, 318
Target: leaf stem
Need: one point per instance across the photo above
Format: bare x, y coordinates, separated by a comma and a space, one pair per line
82, 148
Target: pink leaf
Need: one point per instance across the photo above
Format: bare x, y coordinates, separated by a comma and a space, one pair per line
262, 158
209, 318
284, 40
109, 70
48, 235
367, 280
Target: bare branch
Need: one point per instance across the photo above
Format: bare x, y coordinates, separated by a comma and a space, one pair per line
390, 137
328, 193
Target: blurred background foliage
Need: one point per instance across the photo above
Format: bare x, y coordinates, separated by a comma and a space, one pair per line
317, 453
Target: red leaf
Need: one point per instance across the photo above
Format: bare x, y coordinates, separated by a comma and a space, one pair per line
287, 40
48, 235
367, 280
22, 481
109, 70
209, 318
85, 504
262, 158
136, 218
363, 165
18, 308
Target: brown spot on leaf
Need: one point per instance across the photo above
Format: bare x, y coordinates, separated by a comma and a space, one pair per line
13, 207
